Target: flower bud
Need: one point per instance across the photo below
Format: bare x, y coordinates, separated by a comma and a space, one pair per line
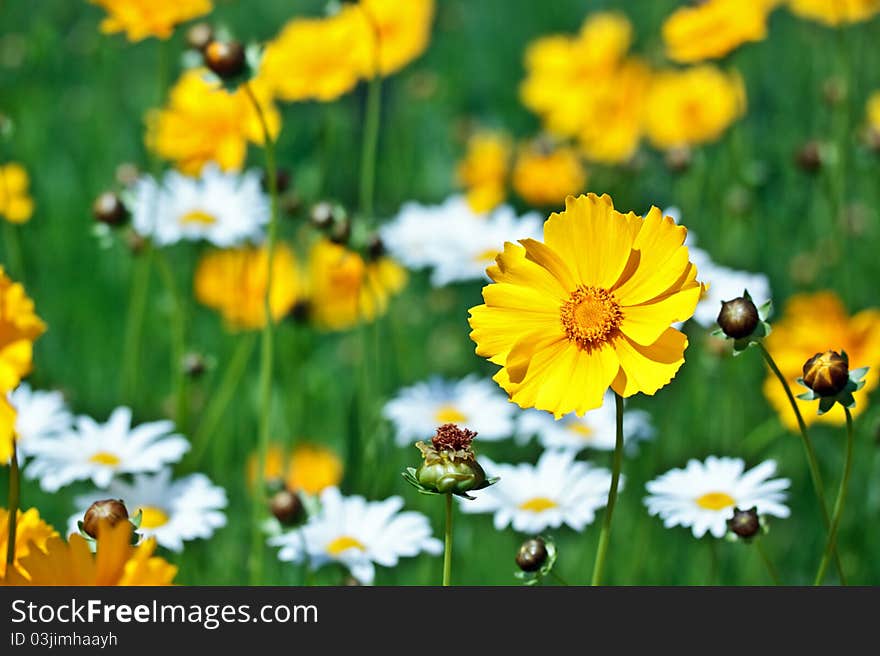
108, 208
450, 466
826, 373
282, 180
745, 523
225, 58
809, 157
321, 215
194, 365
375, 247
199, 36
738, 318
532, 555
341, 232
287, 507
111, 511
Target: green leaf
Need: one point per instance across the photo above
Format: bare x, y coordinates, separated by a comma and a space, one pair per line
825, 404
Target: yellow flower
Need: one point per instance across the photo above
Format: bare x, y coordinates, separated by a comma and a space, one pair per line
692, 106
140, 19
19, 327
233, 282
615, 107
873, 112
815, 323
202, 122
589, 307
317, 58
404, 29
544, 175
307, 468
31, 532
483, 170
16, 205
835, 12
715, 28
116, 562
345, 289
561, 71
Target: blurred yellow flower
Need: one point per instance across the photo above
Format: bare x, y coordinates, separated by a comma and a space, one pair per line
815, 323
140, 19
404, 30
545, 174
692, 106
563, 327
7, 429
873, 112
116, 562
616, 106
317, 58
835, 12
344, 289
561, 70
30, 532
233, 282
483, 170
307, 468
16, 205
714, 28
202, 122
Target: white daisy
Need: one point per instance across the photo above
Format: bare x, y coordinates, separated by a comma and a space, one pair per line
225, 209
557, 490
359, 534
39, 415
173, 511
471, 402
704, 494
451, 238
597, 429
101, 451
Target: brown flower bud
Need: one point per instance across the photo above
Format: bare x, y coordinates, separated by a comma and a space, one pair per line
678, 160
321, 215
286, 506
194, 365
110, 511
199, 36
826, 373
738, 318
809, 157
745, 523
108, 208
532, 555
225, 58
375, 247
282, 180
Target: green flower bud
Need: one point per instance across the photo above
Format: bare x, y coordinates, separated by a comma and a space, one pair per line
449, 465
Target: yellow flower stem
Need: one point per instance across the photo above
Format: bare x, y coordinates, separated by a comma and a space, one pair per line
617, 464
771, 570
14, 501
215, 410
266, 348
839, 504
447, 544
178, 350
812, 461
134, 327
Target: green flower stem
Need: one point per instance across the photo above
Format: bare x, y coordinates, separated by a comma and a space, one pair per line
771, 570
14, 255
617, 464
559, 579
447, 546
839, 504
215, 410
13, 504
371, 127
812, 461
266, 348
134, 326
714, 567
178, 349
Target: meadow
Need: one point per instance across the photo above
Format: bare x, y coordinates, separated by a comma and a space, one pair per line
78, 99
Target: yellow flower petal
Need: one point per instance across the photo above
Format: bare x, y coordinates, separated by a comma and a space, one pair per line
648, 368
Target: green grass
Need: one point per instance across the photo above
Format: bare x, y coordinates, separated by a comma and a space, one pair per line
78, 100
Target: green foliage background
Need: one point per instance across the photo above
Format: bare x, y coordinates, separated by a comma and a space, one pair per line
78, 99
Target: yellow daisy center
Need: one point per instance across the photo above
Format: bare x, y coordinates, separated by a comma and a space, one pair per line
538, 504
449, 414
591, 317
153, 517
715, 501
344, 543
198, 217
581, 430
105, 458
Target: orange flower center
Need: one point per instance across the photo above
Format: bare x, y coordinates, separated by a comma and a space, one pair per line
105, 458
343, 543
198, 217
715, 501
591, 316
538, 504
